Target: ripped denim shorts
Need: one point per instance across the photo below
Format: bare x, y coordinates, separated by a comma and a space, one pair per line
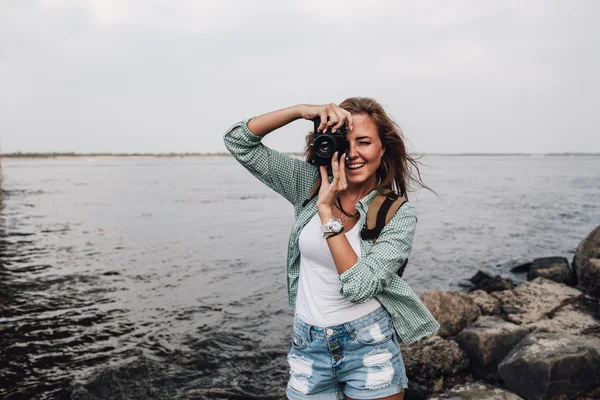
360, 359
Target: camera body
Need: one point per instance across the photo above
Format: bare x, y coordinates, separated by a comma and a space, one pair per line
326, 143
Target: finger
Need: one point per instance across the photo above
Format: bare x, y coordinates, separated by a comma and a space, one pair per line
349, 119
324, 176
333, 119
335, 167
323, 116
341, 120
342, 172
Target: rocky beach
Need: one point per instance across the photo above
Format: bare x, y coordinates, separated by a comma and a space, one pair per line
539, 340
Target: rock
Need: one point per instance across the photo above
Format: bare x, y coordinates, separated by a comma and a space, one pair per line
588, 248
548, 366
438, 386
568, 321
484, 281
554, 268
429, 359
588, 276
416, 391
452, 310
476, 391
592, 394
533, 299
521, 269
488, 341
488, 304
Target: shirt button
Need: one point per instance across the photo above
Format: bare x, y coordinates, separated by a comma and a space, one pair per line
329, 332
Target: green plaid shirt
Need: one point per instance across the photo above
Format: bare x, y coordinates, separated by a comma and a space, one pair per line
374, 274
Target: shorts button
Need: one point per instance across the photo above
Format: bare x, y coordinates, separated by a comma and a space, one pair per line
329, 332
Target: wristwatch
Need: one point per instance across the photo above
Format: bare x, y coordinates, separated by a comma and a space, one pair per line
333, 225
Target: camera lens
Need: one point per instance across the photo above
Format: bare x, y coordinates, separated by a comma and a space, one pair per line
324, 147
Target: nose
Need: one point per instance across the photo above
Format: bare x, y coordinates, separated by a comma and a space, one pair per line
352, 152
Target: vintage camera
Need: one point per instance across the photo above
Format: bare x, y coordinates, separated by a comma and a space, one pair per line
326, 143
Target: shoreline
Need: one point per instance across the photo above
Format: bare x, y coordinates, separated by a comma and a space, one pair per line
110, 156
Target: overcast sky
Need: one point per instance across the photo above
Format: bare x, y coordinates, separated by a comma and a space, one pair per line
171, 76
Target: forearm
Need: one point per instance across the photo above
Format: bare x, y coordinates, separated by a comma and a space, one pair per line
266, 123
343, 254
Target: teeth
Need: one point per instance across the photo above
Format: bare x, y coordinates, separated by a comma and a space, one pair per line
354, 166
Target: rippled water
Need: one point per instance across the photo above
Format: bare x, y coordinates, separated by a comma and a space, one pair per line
164, 278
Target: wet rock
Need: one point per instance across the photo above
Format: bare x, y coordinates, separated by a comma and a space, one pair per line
452, 310
588, 274
553, 268
488, 341
477, 391
531, 301
488, 304
429, 359
488, 283
521, 269
548, 366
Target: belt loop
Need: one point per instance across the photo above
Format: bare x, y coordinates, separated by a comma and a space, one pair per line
308, 335
350, 330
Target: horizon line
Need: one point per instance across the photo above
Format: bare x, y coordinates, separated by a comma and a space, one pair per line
20, 154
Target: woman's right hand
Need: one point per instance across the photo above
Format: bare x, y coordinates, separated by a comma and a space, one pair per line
332, 116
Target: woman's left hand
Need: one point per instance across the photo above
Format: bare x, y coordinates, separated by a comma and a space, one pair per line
330, 191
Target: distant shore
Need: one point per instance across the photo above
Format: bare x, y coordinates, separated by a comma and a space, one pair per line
111, 155
21, 155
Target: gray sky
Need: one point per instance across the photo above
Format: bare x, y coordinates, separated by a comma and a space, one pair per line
162, 76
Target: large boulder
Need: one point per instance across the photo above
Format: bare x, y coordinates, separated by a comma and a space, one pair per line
554, 268
452, 310
588, 274
429, 359
531, 301
488, 341
548, 366
568, 321
488, 304
484, 281
476, 391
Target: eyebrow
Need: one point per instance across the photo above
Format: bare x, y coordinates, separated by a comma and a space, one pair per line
363, 137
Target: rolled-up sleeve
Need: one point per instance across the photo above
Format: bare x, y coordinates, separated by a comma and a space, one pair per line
372, 273
290, 177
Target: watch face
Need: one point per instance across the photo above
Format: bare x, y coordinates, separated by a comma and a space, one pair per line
336, 225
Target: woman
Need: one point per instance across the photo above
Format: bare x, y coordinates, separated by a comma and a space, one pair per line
351, 309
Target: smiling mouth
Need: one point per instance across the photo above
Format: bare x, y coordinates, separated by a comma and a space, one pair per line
355, 167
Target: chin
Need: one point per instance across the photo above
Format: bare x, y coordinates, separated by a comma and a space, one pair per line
356, 180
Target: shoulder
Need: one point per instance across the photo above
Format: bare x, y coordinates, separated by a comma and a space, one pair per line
407, 210
405, 218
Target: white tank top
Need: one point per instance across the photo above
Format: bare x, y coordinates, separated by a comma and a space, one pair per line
319, 301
